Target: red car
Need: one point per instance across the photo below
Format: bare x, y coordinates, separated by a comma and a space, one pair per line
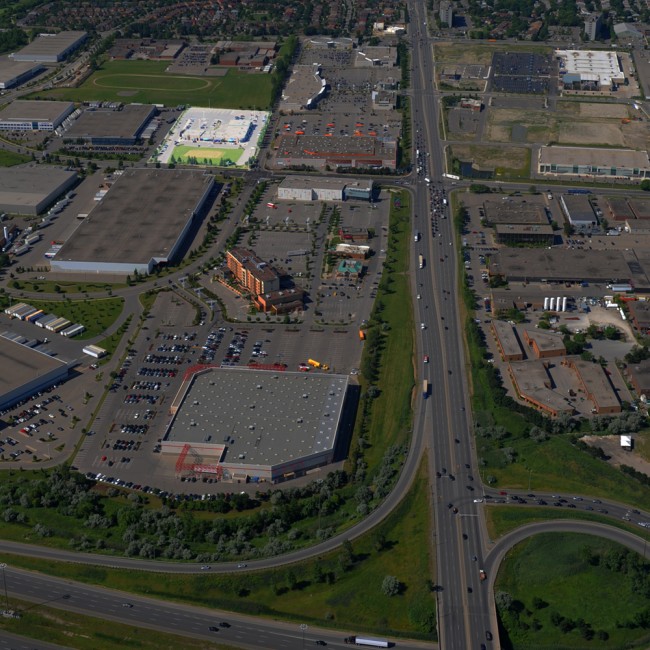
426, 358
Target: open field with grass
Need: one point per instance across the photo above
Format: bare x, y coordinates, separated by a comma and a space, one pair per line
11, 158
503, 519
147, 82
506, 161
49, 286
324, 591
206, 155
541, 126
69, 629
479, 53
95, 315
566, 591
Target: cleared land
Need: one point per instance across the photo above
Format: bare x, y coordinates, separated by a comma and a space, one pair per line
480, 53
147, 82
563, 585
541, 126
513, 162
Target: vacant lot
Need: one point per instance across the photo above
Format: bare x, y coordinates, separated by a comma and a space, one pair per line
148, 82
10, 158
540, 126
479, 52
513, 162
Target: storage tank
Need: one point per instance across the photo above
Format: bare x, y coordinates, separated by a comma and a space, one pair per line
564, 303
551, 304
546, 303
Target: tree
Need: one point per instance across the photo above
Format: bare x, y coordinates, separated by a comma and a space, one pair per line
645, 185
391, 586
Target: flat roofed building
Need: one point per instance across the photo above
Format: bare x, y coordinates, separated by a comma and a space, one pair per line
596, 385
618, 209
252, 272
304, 88
379, 55
555, 265
507, 340
545, 344
265, 424
302, 188
51, 48
640, 208
534, 385
600, 65
514, 211
640, 315
281, 301
26, 371
446, 13
107, 126
25, 115
638, 375
141, 222
518, 233
578, 210
13, 73
582, 161
30, 190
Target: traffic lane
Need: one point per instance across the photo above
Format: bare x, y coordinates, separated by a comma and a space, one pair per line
170, 617
16, 642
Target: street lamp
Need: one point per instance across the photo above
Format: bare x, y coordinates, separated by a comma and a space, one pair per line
3, 566
303, 627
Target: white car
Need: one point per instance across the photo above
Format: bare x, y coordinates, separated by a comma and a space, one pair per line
419, 296
423, 326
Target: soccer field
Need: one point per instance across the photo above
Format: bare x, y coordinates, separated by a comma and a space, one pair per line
147, 82
206, 155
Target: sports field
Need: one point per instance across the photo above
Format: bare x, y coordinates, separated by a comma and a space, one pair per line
206, 155
147, 82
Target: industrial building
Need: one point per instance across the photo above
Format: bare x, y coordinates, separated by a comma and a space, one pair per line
589, 69
638, 375
534, 385
26, 371
50, 48
300, 188
514, 211
507, 341
578, 210
304, 88
554, 265
24, 115
30, 190
322, 152
517, 233
582, 161
251, 272
545, 344
247, 424
142, 221
595, 383
640, 315
107, 126
13, 73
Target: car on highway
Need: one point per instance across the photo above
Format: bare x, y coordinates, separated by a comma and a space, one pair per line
224, 624
129, 605
426, 358
213, 628
205, 567
423, 326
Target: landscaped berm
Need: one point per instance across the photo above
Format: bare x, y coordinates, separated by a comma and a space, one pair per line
147, 82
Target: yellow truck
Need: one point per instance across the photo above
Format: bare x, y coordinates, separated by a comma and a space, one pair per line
318, 364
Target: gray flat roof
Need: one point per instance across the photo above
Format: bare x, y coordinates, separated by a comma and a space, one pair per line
598, 157
38, 111
307, 182
28, 186
508, 338
579, 207
51, 44
141, 217
321, 145
596, 382
546, 340
269, 417
531, 377
557, 264
98, 123
524, 229
21, 364
10, 69
514, 211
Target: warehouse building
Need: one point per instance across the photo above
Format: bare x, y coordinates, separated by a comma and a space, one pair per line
299, 188
253, 273
143, 221
304, 88
595, 383
50, 48
578, 210
106, 126
582, 161
590, 69
545, 344
23, 115
25, 371
321, 152
13, 73
517, 233
30, 190
507, 341
638, 375
242, 424
640, 315
534, 385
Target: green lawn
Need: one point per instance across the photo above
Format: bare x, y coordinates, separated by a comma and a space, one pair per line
324, 591
95, 315
48, 286
559, 569
206, 155
10, 158
147, 82
69, 629
502, 519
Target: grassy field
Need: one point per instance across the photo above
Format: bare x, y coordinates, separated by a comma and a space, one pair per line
147, 82
48, 286
96, 315
87, 633
206, 155
10, 158
507, 162
503, 519
320, 591
479, 53
556, 569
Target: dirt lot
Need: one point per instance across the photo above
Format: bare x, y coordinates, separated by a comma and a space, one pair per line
480, 53
600, 110
541, 125
618, 456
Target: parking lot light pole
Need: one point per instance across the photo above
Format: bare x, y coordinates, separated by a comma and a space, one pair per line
303, 627
3, 566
